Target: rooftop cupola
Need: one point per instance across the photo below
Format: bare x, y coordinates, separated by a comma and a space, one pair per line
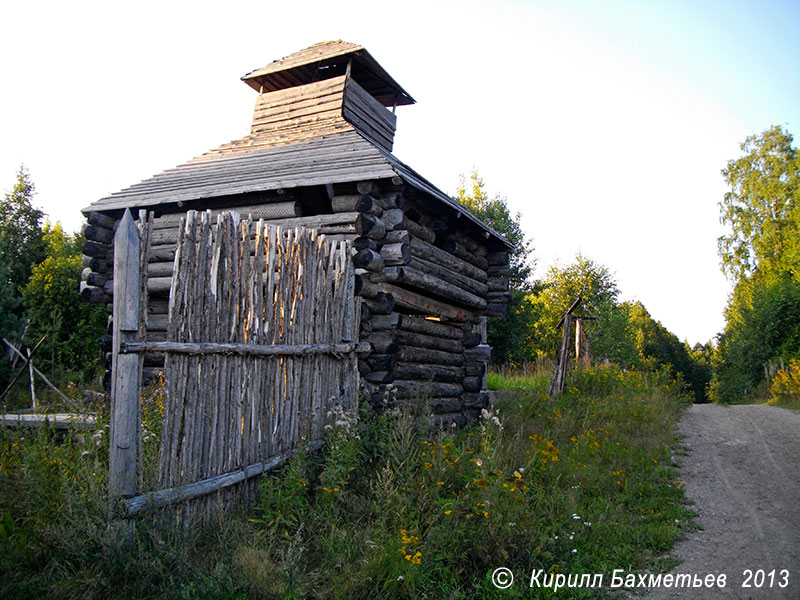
329, 88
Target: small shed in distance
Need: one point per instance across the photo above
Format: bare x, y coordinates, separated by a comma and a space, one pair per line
319, 155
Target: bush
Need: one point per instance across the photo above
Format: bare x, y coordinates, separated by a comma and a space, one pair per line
785, 388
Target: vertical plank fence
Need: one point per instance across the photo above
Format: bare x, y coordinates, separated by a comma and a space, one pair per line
261, 343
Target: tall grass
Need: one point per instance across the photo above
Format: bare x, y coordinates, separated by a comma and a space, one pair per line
388, 509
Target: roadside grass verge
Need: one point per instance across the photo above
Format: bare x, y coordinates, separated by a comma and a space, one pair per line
388, 509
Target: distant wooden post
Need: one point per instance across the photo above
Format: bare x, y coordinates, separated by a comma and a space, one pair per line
557, 385
583, 351
34, 404
123, 480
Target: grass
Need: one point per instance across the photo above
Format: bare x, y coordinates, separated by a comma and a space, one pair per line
388, 509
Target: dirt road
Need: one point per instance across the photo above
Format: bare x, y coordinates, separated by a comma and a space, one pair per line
742, 473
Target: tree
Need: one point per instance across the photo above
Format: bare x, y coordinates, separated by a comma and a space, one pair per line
55, 309
21, 247
657, 347
761, 207
495, 213
595, 285
510, 336
21, 236
762, 327
761, 255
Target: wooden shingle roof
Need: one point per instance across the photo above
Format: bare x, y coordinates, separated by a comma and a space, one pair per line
295, 145
326, 60
342, 158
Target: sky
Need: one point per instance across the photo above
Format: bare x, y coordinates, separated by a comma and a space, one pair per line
605, 124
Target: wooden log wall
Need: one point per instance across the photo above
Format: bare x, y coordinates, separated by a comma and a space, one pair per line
426, 285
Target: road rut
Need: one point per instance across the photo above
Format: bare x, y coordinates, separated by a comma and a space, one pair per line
742, 474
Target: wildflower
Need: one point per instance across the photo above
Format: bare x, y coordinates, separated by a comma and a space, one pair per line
576, 516
574, 551
447, 512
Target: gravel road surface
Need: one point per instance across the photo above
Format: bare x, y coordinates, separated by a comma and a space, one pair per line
742, 473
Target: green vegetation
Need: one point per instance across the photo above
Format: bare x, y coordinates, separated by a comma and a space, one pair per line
40, 271
623, 333
388, 509
584, 483
761, 255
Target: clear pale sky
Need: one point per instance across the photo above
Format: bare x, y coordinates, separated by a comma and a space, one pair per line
606, 124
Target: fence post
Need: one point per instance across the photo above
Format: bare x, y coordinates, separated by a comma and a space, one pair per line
123, 477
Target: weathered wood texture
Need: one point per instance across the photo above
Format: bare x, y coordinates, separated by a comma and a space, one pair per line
261, 343
125, 432
286, 286
420, 278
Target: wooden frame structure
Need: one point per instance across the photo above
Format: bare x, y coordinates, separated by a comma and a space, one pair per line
262, 344
318, 156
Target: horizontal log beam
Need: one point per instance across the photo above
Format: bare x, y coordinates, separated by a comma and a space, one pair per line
428, 356
409, 370
420, 340
130, 507
396, 219
429, 327
356, 203
101, 220
429, 283
482, 353
197, 348
457, 249
424, 250
428, 306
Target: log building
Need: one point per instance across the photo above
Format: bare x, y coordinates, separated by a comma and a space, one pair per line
319, 155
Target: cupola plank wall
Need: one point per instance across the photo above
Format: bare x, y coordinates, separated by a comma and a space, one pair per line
318, 156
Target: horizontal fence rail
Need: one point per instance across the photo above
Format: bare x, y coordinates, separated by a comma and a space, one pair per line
261, 344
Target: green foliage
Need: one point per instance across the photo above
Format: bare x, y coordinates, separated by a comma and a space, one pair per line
21, 236
785, 388
513, 337
762, 327
55, 309
494, 212
582, 484
656, 346
516, 338
761, 207
595, 284
21, 246
762, 256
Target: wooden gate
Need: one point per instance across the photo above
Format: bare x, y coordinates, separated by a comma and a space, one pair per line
262, 340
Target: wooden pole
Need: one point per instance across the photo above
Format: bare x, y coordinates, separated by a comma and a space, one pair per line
123, 479
557, 384
34, 405
37, 371
23, 369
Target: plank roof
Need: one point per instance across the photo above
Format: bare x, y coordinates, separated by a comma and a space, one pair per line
341, 158
325, 60
292, 152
